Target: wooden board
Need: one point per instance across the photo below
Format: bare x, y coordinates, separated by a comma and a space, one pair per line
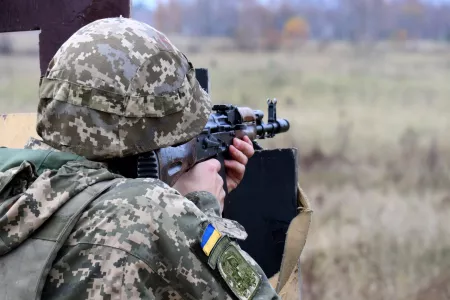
57, 19
16, 129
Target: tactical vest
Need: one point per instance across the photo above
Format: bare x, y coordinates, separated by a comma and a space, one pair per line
24, 270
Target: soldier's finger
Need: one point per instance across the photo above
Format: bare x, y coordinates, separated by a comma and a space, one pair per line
247, 140
238, 155
244, 147
214, 165
235, 170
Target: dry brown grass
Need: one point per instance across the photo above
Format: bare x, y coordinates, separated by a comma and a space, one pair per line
372, 126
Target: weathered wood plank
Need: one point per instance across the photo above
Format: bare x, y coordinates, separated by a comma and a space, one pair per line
57, 19
19, 15
16, 129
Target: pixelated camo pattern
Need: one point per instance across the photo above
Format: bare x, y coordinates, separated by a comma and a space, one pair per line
139, 240
14, 182
26, 202
35, 144
119, 87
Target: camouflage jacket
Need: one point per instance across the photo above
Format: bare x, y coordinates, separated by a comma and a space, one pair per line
139, 240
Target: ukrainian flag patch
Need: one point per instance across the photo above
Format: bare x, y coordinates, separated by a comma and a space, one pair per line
209, 239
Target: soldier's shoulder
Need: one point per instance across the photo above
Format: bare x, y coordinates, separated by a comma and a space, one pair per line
131, 207
152, 189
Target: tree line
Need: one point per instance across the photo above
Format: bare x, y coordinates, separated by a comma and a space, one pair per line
284, 20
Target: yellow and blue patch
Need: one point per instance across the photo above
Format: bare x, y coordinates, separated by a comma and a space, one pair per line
209, 239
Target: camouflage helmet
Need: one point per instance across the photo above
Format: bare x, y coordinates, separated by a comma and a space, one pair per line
119, 87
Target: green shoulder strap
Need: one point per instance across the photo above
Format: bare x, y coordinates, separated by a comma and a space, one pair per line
41, 159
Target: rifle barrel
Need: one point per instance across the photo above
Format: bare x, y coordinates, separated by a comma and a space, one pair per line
270, 129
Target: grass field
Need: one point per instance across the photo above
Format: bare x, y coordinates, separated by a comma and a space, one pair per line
372, 126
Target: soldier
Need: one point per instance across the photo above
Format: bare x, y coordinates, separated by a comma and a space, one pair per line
119, 88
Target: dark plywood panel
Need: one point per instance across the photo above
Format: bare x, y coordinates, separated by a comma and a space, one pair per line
57, 19
265, 204
202, 76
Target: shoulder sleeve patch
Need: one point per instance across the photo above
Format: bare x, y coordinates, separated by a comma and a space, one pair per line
209, 239
237, 272
229, 227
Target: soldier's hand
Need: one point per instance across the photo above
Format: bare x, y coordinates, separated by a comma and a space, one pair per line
203, 176
240, 152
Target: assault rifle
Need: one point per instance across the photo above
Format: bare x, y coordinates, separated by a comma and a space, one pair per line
225, 123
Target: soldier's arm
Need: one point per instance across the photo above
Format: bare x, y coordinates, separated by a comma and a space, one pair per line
142, 240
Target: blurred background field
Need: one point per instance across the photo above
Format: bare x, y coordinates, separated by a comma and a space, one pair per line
370, 117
